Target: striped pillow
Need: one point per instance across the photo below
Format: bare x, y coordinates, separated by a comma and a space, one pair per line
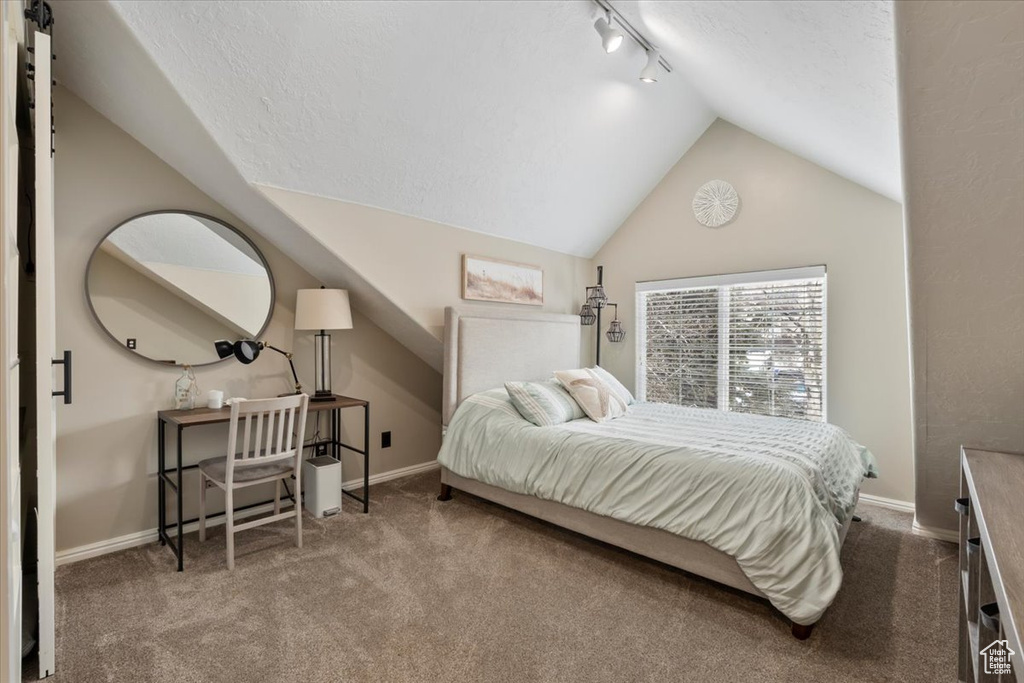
543, 403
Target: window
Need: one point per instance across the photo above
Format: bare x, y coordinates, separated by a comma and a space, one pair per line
749, 342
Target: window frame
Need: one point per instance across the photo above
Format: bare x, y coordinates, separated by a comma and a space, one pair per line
722, 282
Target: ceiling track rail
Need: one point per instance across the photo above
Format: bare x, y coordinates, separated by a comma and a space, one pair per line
637, 37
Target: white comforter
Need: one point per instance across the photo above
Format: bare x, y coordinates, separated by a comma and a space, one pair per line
771, 492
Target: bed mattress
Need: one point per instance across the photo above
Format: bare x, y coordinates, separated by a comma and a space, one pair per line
771, 492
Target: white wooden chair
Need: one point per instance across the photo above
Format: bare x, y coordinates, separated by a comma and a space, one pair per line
270, 453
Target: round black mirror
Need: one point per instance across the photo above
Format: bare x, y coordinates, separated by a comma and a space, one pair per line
171, 285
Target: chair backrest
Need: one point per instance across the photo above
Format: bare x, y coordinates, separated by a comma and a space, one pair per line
271, 431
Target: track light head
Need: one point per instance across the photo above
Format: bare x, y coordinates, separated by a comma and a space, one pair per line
650, 72
611, 38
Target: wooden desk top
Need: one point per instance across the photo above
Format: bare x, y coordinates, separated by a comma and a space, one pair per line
996, 481
207, 416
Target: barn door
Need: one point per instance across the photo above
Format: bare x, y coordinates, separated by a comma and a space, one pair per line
10, 475
46, 350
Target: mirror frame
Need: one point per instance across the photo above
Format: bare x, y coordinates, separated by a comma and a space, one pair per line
134, 354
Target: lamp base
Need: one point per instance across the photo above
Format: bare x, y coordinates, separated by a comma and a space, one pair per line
321, 397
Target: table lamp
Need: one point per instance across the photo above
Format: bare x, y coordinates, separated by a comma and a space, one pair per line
322, 309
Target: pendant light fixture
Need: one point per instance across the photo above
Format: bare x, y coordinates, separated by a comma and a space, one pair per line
611, 39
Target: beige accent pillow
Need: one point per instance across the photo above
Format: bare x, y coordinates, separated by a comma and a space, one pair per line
597, 399
615, 385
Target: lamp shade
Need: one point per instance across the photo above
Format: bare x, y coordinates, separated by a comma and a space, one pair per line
322, 309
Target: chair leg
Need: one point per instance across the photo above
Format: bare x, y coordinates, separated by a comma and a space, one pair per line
229, 515
202, 507
298, 509
277, 497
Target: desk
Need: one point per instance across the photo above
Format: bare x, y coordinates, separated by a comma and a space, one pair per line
182, 419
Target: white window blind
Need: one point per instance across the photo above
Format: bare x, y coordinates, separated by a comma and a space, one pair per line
746, 342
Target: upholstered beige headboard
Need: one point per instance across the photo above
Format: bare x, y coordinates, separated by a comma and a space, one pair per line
484, 348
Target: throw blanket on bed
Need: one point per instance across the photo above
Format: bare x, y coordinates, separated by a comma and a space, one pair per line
771, 492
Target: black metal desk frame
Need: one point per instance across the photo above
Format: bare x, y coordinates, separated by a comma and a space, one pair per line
183, 419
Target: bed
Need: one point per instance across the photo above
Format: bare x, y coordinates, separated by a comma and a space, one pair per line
759, 504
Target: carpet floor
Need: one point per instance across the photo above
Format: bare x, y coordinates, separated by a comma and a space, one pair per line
420, 590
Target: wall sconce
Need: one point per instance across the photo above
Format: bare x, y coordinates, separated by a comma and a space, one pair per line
590, 313
587, 315
616, 332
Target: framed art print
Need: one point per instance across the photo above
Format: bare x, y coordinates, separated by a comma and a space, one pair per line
485, 279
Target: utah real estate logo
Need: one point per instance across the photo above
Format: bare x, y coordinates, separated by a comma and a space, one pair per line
997, 658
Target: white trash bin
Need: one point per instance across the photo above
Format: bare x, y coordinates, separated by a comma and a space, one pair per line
321, 480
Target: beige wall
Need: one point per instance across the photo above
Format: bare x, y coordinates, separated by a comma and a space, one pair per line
132, 305
793, 213
106, 448
239, 300
417, 263
961, 75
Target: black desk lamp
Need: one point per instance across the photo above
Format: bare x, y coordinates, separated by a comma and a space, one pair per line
247, 350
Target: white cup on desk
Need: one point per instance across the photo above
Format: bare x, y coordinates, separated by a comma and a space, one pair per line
215, 399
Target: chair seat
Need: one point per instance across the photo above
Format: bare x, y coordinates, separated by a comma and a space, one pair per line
216, 469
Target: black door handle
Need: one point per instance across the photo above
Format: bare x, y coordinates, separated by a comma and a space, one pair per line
66, 392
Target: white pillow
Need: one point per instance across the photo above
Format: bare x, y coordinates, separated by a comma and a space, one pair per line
618, 387
597, 399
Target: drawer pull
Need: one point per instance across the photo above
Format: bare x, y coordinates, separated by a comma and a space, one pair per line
973, 545
989, 615
962, 505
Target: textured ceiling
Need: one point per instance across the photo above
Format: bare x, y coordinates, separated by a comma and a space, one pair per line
816, 78
500, 117
507, 117
179, 239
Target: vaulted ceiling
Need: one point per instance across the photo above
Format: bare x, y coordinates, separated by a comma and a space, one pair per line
508, 117
500, 117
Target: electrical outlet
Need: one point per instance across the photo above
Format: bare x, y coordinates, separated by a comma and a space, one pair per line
385, 439
132, 344
321, 449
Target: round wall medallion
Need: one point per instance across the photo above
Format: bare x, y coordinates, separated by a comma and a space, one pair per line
715, 203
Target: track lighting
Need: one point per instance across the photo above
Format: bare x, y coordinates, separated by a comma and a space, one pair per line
650, 72
611, 39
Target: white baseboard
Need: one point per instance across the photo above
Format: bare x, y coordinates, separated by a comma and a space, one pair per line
393, 474
890, 503
917, 529
84, 552
934, 532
